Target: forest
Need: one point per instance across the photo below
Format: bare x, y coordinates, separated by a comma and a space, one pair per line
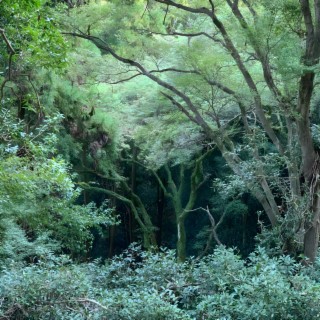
160, 159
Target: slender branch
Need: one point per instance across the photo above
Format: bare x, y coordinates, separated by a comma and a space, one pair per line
36, 93
165, 16
171, 183
197, 180
180, 107
153, 71
186, 8
119, 197
252, 11
7, 41
249, 81
126, 79
145, 10
214, 228
189, 35
102, 45
174, 70
222, 87
11, 54
262, 55
212, 5
162, 186
93, 302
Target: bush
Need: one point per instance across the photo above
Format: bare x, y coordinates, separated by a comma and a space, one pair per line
144, 285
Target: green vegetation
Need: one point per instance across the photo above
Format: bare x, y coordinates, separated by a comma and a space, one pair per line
142, 285
159, 159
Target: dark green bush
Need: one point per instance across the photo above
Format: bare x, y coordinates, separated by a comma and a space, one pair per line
142, 285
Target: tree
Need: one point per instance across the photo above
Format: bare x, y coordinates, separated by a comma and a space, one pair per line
29, 41
39, 215
38, 193
235, 55
175, 192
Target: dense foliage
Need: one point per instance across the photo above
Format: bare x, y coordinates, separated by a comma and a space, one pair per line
159, 159
141, 285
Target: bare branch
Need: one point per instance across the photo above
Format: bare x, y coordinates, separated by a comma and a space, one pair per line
11, 54
175, 70
154, 71
189, 35
7, 41
180, 106
222, 87
213, 233
253, 12
126, 79
185, 8
145, 10
93, 302
165, 16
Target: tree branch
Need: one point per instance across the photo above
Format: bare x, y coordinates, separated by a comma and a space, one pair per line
126, 79
249, 81
11, 54
171, 183
189, 35
185, 8
253, 12
165, 16
213, 233
174, 70
7, 41
102, 45
153, 71
93, 302
119, 197
161, 184
262, 56
180, 107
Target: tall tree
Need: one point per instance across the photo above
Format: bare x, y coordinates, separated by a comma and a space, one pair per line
260, 57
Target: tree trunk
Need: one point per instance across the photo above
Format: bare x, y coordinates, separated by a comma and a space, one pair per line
311, 237
181, 239
160, 208
112, 233
112, 229
131, 221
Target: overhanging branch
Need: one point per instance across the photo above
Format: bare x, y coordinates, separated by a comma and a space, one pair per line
103, 46
185, 8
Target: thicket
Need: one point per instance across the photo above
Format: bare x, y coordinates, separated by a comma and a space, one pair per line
144, 285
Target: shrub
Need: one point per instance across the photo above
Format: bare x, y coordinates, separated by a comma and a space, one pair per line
144, 285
